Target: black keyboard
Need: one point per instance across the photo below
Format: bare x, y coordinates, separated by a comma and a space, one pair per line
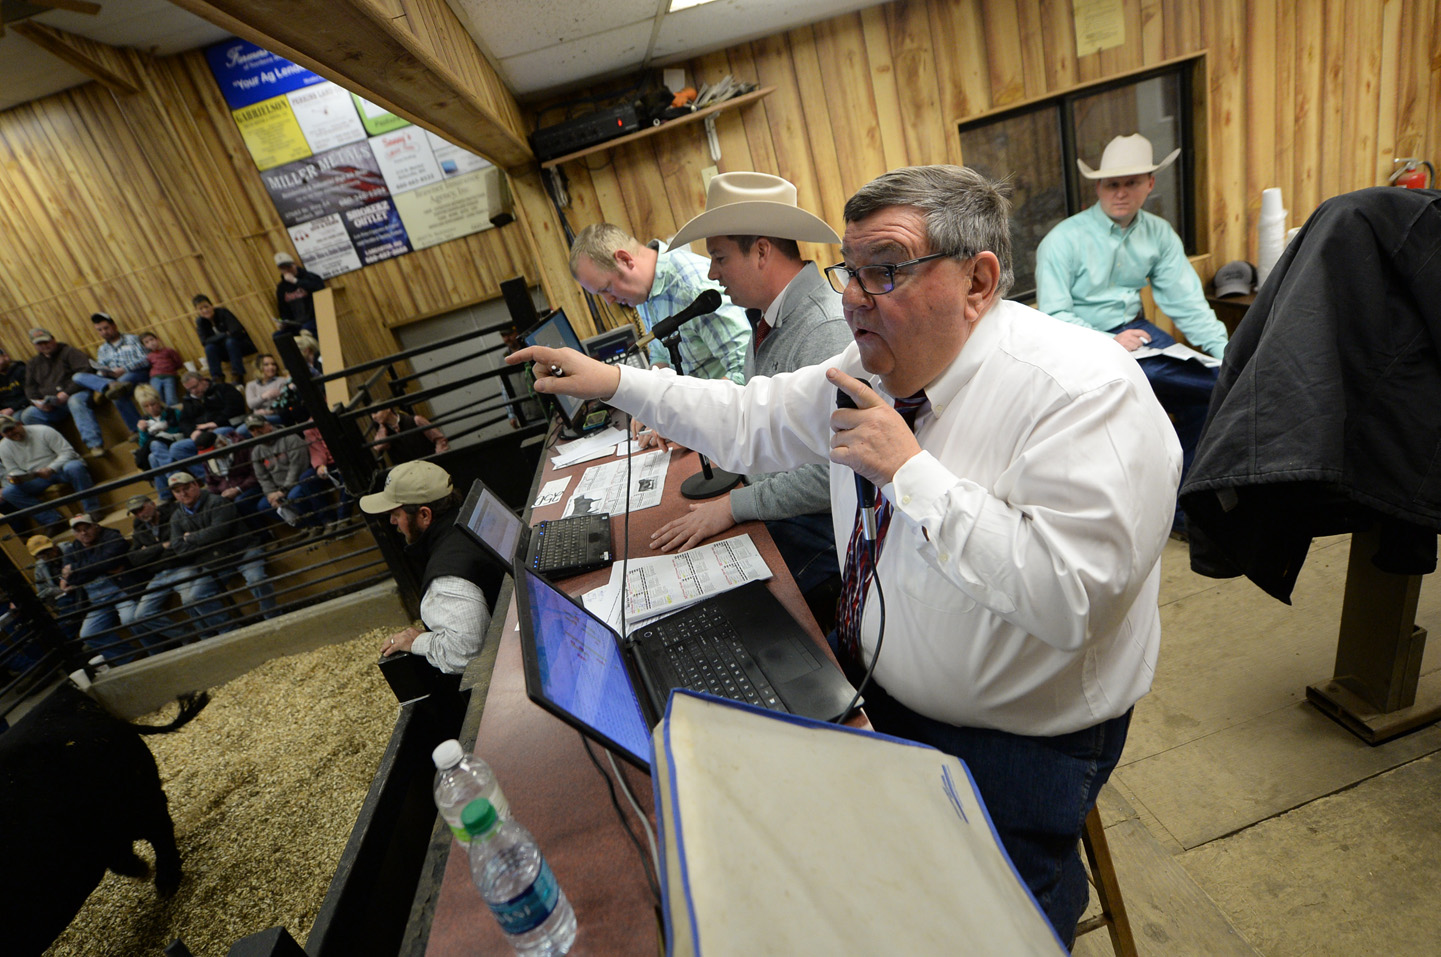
706, 655
579, 541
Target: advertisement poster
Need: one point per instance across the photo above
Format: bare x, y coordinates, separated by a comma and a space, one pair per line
330, 182
325, 247
248, 75
405, 159
453, 160
448, 210
377, 119
271, 133
377, 232
326, 116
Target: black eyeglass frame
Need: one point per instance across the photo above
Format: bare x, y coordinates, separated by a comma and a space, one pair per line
832, 272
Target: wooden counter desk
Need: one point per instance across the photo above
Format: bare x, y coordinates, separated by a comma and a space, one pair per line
553, 788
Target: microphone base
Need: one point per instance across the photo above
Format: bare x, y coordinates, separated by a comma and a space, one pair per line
698, 486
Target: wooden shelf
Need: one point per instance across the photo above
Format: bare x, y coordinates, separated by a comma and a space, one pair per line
701, 114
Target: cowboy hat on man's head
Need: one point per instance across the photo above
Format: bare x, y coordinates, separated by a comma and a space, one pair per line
1127, 156
754, 204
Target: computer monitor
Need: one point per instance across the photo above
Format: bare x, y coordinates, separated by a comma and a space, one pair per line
554, 330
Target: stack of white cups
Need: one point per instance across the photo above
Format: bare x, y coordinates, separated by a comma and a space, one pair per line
1271, 233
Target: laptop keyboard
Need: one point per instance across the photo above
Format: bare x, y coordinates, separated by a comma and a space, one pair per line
707, 655
567, 542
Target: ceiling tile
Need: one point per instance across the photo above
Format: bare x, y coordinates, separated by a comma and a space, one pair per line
508, 28
604, 54
725, 23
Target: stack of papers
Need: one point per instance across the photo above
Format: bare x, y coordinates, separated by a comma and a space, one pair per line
661, 584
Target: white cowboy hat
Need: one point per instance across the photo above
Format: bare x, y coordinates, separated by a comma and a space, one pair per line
754, 204
1127, 156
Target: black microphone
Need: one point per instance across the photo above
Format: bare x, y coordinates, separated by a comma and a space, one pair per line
708, 301
865, 488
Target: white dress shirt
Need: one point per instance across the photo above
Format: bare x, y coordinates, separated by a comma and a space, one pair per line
456, 616
1022, 567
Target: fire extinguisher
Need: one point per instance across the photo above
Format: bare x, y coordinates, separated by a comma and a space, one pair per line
1411, 175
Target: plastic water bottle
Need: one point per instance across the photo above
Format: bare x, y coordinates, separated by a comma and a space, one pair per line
459, 779
517, 884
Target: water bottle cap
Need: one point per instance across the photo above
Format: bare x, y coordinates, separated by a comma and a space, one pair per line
478, 817
447, 754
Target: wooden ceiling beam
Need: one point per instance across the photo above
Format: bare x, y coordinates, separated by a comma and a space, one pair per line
352, 43
99, 61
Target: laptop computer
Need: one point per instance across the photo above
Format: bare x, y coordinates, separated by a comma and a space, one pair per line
740, 644
560, 547
555, 331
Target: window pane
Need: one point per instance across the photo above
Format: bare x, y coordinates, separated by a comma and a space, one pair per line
1153, 109
1024, 147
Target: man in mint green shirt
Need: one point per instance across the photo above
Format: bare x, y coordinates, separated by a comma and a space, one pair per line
1090, 270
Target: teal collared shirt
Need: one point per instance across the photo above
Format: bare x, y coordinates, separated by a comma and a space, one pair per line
1090, 272
712, 346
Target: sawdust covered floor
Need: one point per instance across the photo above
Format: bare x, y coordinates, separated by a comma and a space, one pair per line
264, 787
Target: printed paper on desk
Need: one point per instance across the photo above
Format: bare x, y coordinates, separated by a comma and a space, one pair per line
552, 492
602, 488
587, 449
667, 583
1177, 351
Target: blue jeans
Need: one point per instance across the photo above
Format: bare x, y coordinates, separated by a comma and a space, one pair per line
109, 610
168, 386
79, 407
232, 348
252, 569
185, 448
308, 498
27, 493
807, 544
197, 593
1038, 791
128, 413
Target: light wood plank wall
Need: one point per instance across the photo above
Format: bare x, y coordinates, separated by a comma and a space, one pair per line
1313, 96
131, 204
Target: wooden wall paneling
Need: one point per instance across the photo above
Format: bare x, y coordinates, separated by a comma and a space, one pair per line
435, 25
786, 119
1430, 146
1129, 54
1033, 47
1362, 57
1388, 89
1417, 109
1153, 41
755, 120
816, 124
927, 135
961, 73
680, 156
1228, 126
730, 127
609, 198
849, 102
1332, 151
880, 66
1004, 59
1283, 115
1259, 146
637, 170
1058, 38
1310, 46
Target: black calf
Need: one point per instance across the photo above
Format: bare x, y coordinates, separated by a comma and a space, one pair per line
77, 787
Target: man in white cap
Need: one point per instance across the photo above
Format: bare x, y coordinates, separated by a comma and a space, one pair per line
293, 305
657, 281
752, 227
459, 582
1090, 270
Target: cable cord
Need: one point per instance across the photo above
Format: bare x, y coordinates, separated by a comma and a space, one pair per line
644, 821
645, 862
880, 639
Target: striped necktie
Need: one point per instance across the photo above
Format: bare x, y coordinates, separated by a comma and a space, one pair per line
860, 566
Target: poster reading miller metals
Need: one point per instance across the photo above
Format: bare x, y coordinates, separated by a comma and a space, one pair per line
353, 183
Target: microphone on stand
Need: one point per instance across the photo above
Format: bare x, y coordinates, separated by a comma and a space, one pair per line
708, 301
865, 488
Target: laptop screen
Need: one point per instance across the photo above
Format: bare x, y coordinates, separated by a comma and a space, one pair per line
575, 668
555, 331
492, 521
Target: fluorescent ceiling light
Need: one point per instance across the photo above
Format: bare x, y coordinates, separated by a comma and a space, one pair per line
684, 4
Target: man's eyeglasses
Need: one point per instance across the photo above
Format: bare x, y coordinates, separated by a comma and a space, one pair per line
877, 279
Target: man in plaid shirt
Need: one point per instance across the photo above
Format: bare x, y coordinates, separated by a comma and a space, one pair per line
658, 282
123, 362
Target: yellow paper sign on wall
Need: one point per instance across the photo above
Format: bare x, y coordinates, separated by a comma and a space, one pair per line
1100, 24
271, 132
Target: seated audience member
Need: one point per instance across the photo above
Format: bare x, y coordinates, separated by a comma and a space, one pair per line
49, 561
294, 308
208, 406
459, 582
262, 392
156, 435
122, 364
324, 464
207, 531
165, 367
96, 564
34, 458
151, 557
407, 437
55, 394
12, 385
1091, 268
282, 464
230, 475
310, 352
223, 337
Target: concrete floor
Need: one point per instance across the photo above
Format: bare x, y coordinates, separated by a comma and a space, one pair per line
1244, 821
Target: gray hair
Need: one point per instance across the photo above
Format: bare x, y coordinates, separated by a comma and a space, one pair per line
965, 212
599, 242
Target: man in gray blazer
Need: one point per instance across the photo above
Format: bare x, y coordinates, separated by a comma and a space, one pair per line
751, 227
